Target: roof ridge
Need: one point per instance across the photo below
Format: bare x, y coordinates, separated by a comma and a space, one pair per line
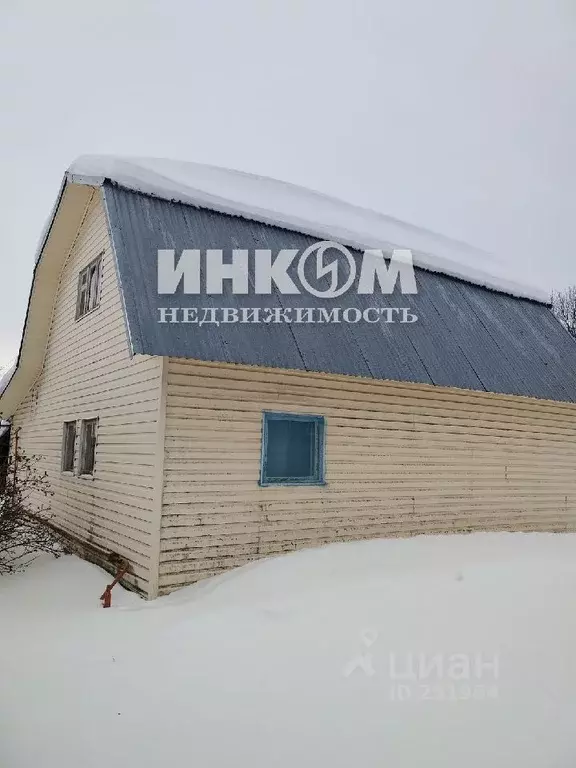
296, 208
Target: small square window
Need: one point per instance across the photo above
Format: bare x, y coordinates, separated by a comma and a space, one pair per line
68, 446
88, 446
89, 288
292, 449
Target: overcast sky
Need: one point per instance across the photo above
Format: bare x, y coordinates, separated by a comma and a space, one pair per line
457, 115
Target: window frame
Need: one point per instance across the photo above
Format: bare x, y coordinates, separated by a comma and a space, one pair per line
85, 282
82, 472
318, 478
63, 468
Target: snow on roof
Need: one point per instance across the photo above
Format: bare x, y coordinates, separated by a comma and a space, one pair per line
6, 376
292, 207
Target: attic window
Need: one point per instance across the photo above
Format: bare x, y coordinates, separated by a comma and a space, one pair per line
292, 449
89, 287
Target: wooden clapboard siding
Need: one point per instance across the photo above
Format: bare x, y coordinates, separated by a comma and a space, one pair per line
88, 372
401, 459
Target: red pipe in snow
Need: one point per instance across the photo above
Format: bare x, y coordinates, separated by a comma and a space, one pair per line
106, 596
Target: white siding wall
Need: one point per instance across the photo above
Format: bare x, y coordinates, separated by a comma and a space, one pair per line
88, 373
401, 459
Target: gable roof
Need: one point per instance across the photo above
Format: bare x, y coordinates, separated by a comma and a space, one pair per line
56, 241
475, 330
466, 336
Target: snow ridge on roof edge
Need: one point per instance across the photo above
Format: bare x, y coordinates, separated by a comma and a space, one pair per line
294, 208
6, 377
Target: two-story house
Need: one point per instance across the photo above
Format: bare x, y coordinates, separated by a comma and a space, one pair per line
191, 424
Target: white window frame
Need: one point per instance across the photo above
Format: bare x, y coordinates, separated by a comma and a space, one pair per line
89, 288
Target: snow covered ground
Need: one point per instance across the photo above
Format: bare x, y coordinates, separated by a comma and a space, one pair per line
354, 654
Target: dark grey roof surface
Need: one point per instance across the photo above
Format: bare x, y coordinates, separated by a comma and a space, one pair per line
466, 336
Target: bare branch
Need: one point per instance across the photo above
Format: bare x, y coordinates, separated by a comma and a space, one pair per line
25, 523
564, 307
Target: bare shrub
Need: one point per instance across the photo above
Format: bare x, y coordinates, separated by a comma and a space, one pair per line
25, 520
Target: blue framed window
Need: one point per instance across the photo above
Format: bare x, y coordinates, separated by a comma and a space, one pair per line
292, 449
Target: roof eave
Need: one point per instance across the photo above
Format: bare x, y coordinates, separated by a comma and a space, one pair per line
53, 249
